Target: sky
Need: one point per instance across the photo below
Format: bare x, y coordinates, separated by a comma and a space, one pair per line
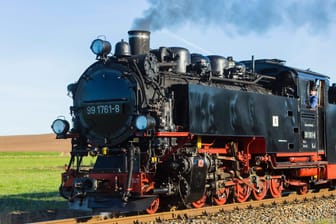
45, 45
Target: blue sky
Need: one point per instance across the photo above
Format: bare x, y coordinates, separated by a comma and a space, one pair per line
45, 45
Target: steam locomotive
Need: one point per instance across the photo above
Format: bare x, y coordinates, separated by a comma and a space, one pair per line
168, 128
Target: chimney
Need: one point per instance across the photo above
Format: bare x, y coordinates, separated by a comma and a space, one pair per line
139, 41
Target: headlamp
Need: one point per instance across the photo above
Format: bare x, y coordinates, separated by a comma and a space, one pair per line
144, 122
60, 126
100, 47
141, 122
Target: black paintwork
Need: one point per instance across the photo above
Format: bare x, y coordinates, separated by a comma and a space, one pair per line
330, 132
222, 112
197, 180
111, 95
108, 203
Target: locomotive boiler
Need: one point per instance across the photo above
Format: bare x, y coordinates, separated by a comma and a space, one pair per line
169, 128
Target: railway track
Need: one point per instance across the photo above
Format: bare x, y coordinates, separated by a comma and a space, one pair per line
189, 213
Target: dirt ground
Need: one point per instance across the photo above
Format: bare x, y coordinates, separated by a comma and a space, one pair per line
34, 143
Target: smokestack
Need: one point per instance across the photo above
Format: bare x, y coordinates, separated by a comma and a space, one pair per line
139, 41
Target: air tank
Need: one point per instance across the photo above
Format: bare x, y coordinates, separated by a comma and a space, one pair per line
182, 58
218, 65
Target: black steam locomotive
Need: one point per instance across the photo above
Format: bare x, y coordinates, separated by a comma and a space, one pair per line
170, 129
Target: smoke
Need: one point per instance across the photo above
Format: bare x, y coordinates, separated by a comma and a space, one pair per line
241, 16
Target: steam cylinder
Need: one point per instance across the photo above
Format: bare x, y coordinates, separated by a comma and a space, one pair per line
139, 41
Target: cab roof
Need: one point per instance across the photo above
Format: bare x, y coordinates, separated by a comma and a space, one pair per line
276, 66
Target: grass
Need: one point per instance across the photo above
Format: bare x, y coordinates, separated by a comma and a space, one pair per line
29, 181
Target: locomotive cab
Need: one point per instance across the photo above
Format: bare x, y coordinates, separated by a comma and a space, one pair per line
296, 84
312, 116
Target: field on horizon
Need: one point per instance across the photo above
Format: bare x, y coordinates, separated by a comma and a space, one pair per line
30, 181
34, 143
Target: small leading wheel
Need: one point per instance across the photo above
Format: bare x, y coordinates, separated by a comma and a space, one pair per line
276, 188
303, 189
200, 203
154, 206
262, 186
242, 192
222, 196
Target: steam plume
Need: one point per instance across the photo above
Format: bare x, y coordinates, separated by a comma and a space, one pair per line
243, 16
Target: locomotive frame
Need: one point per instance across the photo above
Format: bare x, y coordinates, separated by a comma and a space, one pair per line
170, 128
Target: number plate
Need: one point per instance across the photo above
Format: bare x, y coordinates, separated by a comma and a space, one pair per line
104, 109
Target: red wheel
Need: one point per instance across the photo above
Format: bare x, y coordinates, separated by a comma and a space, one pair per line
303, 189
200, 203
154, 206
242, 192
276, 188
262, 186
222, 196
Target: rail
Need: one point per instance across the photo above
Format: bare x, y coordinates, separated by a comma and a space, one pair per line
189, 213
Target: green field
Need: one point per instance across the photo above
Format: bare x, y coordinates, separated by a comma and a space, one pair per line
29, 181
